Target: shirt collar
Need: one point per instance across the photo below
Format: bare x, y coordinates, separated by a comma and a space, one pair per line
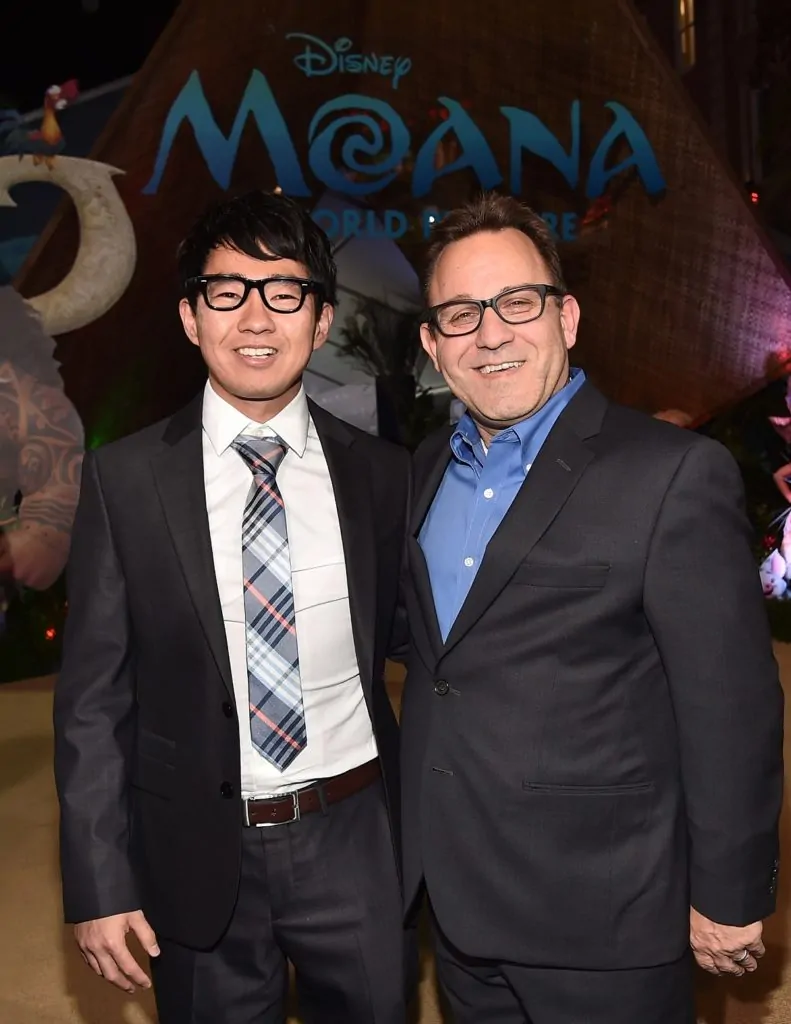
223, 423
466, 443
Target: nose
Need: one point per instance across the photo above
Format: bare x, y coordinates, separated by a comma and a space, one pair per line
254, 316
494, 331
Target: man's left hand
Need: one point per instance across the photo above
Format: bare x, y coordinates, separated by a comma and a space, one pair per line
725, 948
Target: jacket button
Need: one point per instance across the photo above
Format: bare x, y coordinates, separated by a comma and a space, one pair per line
441, 687
227, 790
227, 709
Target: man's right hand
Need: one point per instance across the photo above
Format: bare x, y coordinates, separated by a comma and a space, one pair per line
103, 946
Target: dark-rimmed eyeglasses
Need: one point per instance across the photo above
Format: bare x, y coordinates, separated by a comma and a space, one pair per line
226, 292
514, 306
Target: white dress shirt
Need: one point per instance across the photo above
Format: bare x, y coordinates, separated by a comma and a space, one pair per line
340, 735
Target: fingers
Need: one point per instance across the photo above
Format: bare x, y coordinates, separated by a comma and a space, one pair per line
145, 934
103, 947
733, 963
110, 970
705, 961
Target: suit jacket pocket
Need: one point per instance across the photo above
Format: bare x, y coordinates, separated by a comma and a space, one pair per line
153, 745
153, 776
535, 574
619, 789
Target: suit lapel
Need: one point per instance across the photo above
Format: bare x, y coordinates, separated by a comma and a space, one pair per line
553, 476
350, 482
178, 474
555, 473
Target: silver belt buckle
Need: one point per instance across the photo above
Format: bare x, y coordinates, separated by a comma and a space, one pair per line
295, 801
296, 816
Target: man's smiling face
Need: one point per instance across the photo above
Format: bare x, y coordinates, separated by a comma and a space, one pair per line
502, 372
255, 356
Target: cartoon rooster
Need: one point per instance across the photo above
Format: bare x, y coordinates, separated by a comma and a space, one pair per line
45, 144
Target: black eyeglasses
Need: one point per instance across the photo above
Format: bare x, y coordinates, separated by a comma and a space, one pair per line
226, 292
514, 306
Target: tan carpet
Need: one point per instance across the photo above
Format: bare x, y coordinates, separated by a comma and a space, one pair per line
44, 981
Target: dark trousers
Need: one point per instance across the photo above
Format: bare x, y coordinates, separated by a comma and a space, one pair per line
479, 991
322, 893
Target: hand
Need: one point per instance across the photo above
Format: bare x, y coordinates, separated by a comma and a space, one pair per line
103, 946
716, 946
34, 555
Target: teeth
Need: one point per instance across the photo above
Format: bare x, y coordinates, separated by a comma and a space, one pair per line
256, 352
499, 366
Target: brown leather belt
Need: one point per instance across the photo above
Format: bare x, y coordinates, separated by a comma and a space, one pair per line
278, 810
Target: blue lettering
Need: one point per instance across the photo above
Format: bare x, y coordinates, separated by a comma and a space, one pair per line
319, 58
551, 221
352, 221
370, 145
475, 153
429, 219
642, 156
568, 227
321, 62
220, 153
527, 132
403, 66
395, 223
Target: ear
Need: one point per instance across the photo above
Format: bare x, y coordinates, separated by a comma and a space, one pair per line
429, 343
323, 325
569, 320
189, 321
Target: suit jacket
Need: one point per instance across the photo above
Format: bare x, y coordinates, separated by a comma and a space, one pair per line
598, 742
147, 738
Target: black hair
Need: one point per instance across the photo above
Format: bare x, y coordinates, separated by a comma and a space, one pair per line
252, 223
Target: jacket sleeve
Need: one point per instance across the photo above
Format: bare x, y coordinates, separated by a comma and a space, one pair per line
94, 719
706, 609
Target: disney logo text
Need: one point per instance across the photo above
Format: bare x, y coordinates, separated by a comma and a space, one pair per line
320, 58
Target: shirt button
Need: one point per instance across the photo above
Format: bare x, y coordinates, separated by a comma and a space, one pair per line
528, 467
469, 561
488, 493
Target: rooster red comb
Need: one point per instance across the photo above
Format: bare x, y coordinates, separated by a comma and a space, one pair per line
70, 90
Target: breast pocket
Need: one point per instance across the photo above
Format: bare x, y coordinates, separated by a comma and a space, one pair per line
583, 577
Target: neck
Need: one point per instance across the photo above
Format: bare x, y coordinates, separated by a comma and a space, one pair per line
259, 410
488, 431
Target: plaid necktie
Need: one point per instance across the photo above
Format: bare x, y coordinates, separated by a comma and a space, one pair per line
277, 715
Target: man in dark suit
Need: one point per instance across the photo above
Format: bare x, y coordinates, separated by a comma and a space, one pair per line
592, 719
226, 755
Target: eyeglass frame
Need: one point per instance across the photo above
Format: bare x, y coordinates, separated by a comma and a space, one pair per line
202, 281
430, 315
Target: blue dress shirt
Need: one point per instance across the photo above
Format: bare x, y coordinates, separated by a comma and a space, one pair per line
475, 493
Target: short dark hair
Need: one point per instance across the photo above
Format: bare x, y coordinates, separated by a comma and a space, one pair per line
252, 222
494, 212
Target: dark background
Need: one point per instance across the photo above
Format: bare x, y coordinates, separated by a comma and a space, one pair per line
94, 41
